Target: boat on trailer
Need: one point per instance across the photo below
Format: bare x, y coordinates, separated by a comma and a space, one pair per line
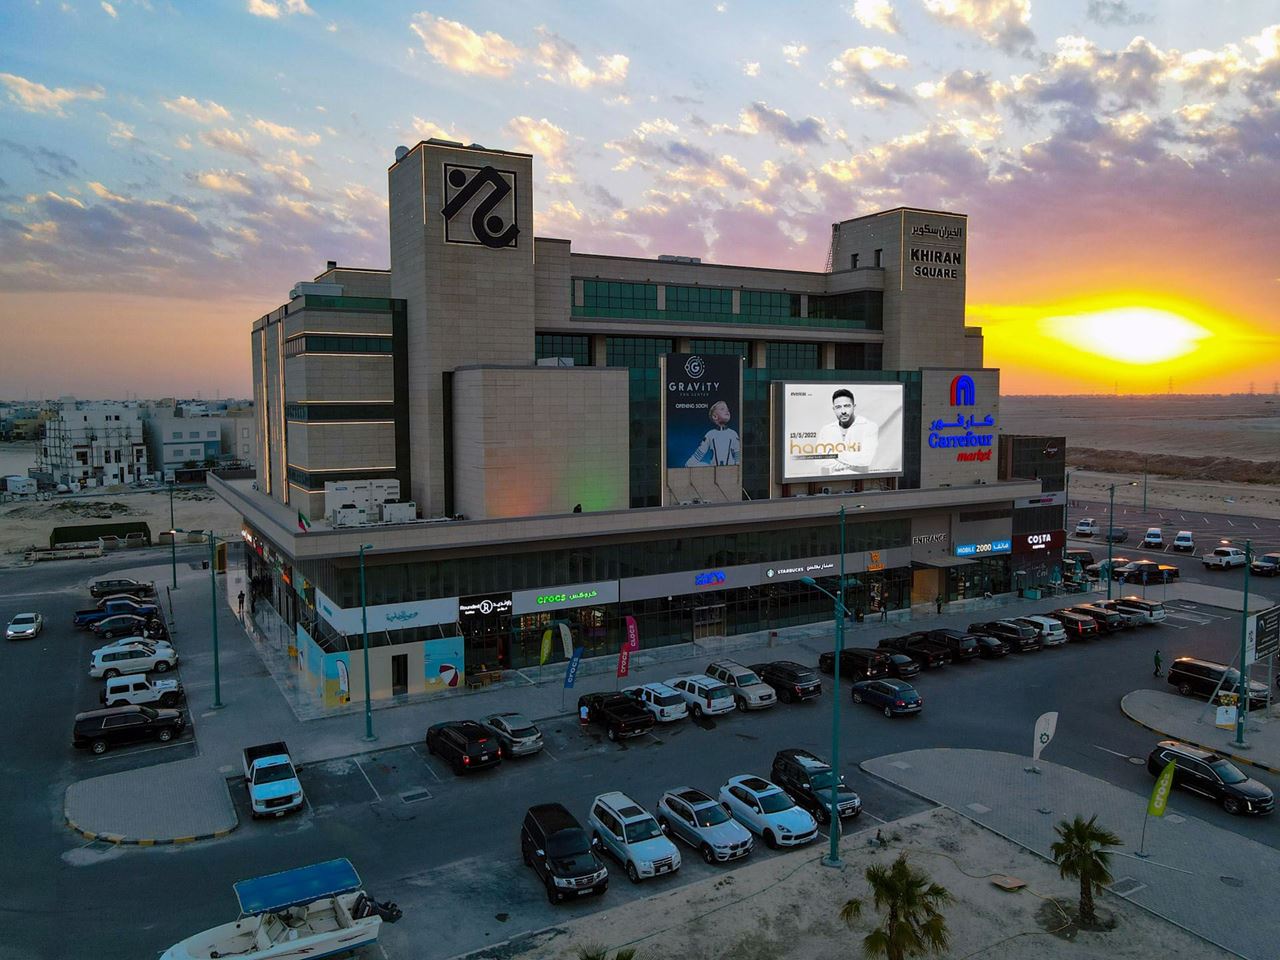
308, 912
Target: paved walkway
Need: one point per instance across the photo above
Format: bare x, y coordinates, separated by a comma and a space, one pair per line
180, 802
1215, 883
1192, 721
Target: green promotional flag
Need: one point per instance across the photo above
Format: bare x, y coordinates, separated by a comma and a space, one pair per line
546, 646
1160, 794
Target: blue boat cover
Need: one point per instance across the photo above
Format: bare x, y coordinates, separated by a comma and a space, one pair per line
279, 891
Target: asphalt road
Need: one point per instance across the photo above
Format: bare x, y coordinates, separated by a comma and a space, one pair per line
1209, 528
446, 848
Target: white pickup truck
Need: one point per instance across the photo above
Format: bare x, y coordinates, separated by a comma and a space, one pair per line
272, 781
1224, 558
138, 689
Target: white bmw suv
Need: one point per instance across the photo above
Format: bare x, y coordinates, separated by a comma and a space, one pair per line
630, 834
766, 809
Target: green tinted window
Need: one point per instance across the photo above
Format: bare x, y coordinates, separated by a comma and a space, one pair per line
563, 345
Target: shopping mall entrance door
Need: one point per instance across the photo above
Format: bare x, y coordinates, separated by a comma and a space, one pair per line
708, 622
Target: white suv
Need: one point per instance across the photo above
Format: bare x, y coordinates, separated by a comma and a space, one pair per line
139, 690
749, 691
768, 810
1087, 528
1154, 538
134, 658
1185, 541
630, 834
703, 694
1224, 558
1051, 632
664, 703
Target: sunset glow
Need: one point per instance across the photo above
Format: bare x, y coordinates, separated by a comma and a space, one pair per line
1137, 335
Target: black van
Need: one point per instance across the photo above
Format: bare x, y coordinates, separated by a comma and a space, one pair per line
1199, 678
556, 847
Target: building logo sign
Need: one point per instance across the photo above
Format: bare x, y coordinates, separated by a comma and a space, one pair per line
936, 264
962, 391
983, 549
938, 233
969, 439
702, 410
1043, 543
490, 606
709, 578
929, 538
557, 599
490, 195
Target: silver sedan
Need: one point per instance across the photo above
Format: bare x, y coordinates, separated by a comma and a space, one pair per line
24, 626
517, 735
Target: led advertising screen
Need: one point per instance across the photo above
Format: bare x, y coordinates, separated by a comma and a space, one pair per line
838, 430
702, 410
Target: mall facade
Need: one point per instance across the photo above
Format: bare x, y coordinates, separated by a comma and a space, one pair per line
601, 447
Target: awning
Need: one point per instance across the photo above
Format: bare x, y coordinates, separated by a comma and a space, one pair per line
278, 891
942, 562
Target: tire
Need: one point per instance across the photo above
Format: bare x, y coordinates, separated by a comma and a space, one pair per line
1184, 689
822, 815
696, 710
99, 747
430, 749
553, 894
164, 735
1232, 806
110, 674
162, 666
740, 703
785, 695
108, 634
770, 840
524, 855
632, 873
613, 734
857, 696
708, 854
888, 712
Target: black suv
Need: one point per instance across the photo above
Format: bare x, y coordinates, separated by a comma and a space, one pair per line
99, 730
467, 745
857, 663
808, 779
927, 653
962, 645
1020, 638
1212, 776
105, 588
1108, 621
1201, 678
620, 715
556, 847
1077, 625
790, 680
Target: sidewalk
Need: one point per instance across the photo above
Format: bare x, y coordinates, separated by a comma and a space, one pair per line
1191, 721
1212, 882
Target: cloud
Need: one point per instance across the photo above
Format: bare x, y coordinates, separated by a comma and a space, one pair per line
876, 15
429, 129
961, 88
852, 70
206, 112
279, 132
794, 52
542, 138
563, 64
109, 10
220, 181
273, 10
751, 68
46, 162
759, 117
37, 98
458, 47
1114, 13
1001, 23
120, 133
230, 141
1082, 76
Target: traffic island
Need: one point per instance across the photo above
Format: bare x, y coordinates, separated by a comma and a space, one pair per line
180, 802
1192, 721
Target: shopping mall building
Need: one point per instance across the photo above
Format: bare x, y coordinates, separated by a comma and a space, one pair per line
597, 445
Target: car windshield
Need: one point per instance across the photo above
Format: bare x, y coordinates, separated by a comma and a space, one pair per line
711, 816
1228, 772
718, 693
775, 802
568, 845
746, 678
25, 618
821, 780
639, 830
275, 773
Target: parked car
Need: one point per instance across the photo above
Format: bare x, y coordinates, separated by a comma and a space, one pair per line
139, 690
1223, 558
124, 625
24, 626
109, 608
1200, 678
904, 667
1212, 776
271, 780
464, 745
808, 779
1021, 638
516, 735
1087, 528
106, 587
136, 641
1267, 565
631, 835
790, 680
665, 703
749, 691
1108, 566
700, 821
1153, 539
859, 663
620, 715
703, 695
1129, 616
1081, 556
1184, 541
990, 648
1147, 571
1050, 631
99, 730
1108, 621
768, 811
961, 646
554, 845
1077, 625
893, 696
1116, 535
929, 654
1147, 611
114, 661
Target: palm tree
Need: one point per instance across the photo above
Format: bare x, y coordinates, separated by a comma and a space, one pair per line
909, 901
1081, 854
602, 953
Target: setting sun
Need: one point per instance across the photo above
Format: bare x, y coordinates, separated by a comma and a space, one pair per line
1137, 335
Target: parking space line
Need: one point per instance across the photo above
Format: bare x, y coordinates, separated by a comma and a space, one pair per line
868, 813
369, 782
547, 751
426, 763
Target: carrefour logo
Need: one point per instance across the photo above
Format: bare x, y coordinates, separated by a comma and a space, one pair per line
962, 391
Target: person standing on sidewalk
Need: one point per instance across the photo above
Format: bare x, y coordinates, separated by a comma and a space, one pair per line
583, 715
241, 600
1158, 672
939, 603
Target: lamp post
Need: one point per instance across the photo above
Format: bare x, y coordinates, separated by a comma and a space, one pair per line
1242, 704
213, 618
173, 540
1111, 519
364, 629
1145, 461
832, 859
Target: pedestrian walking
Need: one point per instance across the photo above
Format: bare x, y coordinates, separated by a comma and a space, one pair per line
939, 603
1158, 672
583, 714
241, 608
884, 614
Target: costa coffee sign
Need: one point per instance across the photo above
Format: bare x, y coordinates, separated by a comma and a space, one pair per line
1053, 540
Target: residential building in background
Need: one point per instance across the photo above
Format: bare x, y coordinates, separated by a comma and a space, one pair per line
94, 444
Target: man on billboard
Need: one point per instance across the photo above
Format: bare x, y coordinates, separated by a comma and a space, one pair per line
852, 439
721, 444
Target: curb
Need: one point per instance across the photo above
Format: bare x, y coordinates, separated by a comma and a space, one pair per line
119, 840
1203, 746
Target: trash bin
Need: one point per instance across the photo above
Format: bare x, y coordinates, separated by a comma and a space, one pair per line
858, 615
204, 564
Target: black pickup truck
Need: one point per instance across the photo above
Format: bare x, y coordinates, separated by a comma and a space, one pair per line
928, 653
1020, 638
962, 645
620, 715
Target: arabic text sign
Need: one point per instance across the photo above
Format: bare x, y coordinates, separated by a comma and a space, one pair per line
1262, 636
983, 549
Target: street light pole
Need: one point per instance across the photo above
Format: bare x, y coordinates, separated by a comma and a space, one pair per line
1242, 704
364, 629
1111, 519
213, 618
173, 539
1145, 461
